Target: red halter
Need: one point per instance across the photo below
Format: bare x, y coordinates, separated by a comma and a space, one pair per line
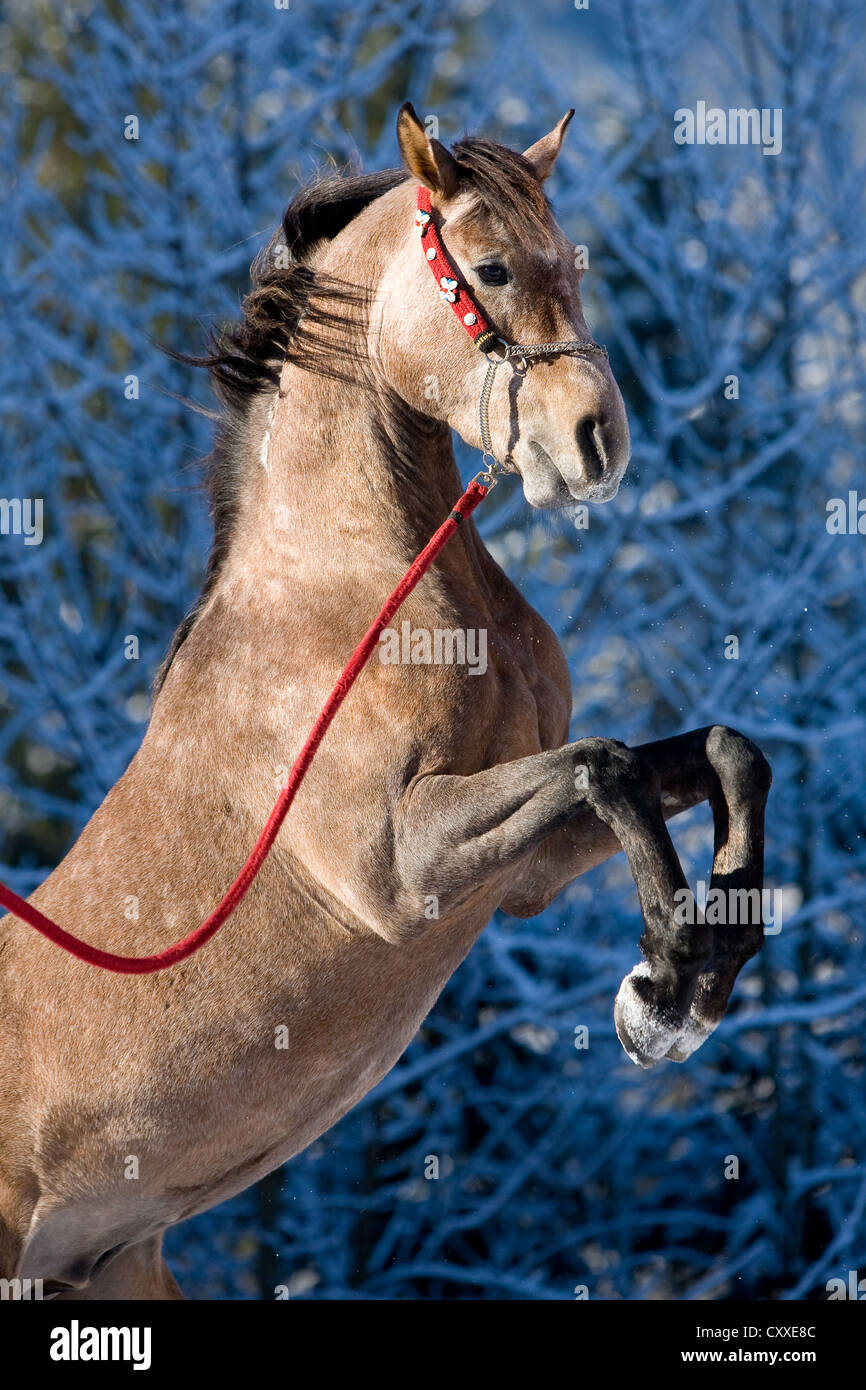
476, 325
445, 276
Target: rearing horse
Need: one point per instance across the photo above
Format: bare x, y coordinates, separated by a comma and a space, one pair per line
441, 793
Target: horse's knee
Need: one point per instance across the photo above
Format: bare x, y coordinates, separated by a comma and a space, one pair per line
610, 775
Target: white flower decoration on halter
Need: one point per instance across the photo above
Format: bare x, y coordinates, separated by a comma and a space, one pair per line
448, 289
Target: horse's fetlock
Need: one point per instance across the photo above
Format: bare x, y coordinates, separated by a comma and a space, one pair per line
739, 764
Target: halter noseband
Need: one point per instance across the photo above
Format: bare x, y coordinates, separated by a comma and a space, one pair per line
479, 330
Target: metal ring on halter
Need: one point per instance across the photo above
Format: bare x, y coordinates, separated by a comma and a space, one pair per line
497, 361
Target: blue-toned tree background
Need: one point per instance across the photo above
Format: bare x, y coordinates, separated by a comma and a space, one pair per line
729, 286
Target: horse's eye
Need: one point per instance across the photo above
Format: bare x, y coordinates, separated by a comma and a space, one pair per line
492, 273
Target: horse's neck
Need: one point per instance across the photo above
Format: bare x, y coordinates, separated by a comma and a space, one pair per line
338, 476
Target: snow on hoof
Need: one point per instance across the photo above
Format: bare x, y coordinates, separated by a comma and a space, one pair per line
644, 1032
691, 1038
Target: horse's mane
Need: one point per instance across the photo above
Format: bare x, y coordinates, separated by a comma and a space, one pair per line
290, 303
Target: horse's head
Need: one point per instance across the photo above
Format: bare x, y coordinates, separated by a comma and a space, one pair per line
561, 423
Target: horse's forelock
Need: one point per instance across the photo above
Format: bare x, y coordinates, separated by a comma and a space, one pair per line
508, 189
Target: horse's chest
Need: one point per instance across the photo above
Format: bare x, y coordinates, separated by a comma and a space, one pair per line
533, 700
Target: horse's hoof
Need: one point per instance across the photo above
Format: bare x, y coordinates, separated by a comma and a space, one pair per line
693, 1035
645, 1034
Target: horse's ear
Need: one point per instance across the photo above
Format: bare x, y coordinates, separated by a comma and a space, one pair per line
426, 159
542, 155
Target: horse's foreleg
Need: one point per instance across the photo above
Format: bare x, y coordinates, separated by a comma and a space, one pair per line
738, 780
714, 764
455, 836
554, 815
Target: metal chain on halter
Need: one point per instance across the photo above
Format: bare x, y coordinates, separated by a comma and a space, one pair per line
522, 352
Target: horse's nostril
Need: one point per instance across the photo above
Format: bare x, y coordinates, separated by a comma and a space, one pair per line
588, 435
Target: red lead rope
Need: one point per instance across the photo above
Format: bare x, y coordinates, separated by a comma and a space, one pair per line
146, 965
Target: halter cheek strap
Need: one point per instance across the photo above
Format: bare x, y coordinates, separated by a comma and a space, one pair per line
467, 309
445, 276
